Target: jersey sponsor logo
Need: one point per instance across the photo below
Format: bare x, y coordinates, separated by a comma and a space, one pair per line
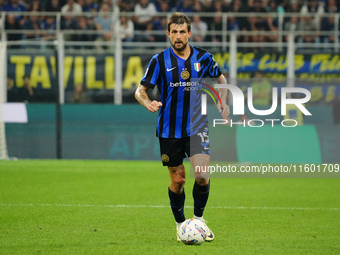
185, 74
197, 67
169, 69
165, 158
184, 84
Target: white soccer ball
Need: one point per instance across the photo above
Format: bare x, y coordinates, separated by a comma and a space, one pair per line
192, 231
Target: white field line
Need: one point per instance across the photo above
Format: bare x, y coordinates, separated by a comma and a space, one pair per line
167, 206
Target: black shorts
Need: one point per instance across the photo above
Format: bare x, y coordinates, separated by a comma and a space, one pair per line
174, 150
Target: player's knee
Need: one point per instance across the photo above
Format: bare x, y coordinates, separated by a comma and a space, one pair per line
177, 185
202, 178
202, 181
179, 180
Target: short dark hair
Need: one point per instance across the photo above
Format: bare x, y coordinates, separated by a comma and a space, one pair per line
179, 19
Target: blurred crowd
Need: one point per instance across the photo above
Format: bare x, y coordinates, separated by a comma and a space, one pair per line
96, 16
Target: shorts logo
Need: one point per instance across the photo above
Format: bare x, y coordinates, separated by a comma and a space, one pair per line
185, 74
165, 158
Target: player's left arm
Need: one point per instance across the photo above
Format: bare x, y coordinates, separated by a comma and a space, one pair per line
223, 92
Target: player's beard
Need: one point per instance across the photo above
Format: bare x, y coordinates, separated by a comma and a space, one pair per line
181, 48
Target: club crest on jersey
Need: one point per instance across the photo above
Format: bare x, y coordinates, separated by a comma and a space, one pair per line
185, 74
165, 158
197, 67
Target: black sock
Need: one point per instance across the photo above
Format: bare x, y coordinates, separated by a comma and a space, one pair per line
177, 205
200, 194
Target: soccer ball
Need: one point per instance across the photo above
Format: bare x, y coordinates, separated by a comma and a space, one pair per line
192, 231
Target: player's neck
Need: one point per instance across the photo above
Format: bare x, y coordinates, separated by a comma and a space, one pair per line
184, 53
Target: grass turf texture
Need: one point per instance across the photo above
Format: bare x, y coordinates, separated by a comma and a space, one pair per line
70, 207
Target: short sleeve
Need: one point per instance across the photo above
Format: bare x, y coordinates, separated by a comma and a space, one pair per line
151, 74
214, 70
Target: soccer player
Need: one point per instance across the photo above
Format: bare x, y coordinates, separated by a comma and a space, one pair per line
181, 128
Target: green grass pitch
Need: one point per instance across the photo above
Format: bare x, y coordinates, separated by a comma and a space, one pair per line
122, 207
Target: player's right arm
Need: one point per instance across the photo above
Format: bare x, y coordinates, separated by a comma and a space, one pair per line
149, 80
142, 97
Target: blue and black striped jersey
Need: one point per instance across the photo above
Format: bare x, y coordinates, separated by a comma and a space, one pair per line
177, 81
